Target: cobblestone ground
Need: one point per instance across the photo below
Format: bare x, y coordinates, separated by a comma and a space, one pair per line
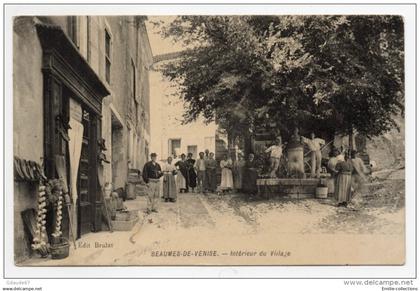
313, 231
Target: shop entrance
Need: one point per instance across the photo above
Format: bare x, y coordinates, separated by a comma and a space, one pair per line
85, 205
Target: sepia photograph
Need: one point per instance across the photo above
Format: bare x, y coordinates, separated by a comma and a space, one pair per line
209, 140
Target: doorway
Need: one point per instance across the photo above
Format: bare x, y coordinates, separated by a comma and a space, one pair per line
84, 213
117, 152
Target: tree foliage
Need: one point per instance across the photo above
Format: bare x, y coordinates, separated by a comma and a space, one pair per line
334, 74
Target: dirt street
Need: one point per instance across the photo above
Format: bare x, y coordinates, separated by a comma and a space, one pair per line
313, 231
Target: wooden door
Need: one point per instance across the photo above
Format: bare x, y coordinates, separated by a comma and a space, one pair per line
84, 200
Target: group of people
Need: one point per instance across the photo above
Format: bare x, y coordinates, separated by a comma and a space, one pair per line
314, 144
186, 174
348, 174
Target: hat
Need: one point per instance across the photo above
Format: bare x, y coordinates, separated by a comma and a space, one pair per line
153, 155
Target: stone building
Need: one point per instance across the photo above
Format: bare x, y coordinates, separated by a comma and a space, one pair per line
169, 134
93, 71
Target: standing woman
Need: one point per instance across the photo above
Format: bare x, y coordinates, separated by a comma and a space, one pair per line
332, 163
227, 180
169, 186
192, 176
343, 182
359, 172
182, 176
249, 183
238, 169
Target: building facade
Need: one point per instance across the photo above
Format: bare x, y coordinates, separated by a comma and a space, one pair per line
81, 85
169, 134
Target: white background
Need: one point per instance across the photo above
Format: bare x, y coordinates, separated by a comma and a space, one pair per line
408, 270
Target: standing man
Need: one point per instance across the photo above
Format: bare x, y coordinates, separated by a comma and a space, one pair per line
151, 175
315, 145
200, 167
211, 165
276, 151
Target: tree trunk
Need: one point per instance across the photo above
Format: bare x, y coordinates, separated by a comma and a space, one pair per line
351, 146
247, 144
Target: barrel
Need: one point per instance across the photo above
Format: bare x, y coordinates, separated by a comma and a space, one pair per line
321, 192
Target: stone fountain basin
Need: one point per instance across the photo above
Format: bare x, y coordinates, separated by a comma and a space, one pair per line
289, 187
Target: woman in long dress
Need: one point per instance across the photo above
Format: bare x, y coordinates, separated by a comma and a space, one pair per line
332, 163
238, 169
169, 185
227, 180
191, 174
360, 171
249, 182
182, 175
343, 182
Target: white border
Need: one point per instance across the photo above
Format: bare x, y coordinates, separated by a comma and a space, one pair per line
408, 270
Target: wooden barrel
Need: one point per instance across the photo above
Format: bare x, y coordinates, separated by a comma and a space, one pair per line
321, 192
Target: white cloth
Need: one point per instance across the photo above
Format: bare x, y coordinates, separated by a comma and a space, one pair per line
227, 178
166, 167
275, 151
200, 164
332, 162
314, 144
75, 148
174, 161
181, 183
340, 158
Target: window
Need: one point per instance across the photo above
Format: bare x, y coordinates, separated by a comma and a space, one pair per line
107, 56
146, 150
175, 146
134, 104
72, 29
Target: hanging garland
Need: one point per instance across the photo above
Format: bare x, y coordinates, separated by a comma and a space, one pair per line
40, 240
58, 210
50, 193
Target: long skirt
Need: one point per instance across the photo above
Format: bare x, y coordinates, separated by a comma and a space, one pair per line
343, 187
331, 184
211, 180
192, 178
181, 182
169, 186
237, 178
227, 179
249, 182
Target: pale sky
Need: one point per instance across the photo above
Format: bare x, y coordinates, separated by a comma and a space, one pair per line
166, 110
159, 44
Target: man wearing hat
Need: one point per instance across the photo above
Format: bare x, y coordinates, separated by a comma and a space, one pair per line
151, 176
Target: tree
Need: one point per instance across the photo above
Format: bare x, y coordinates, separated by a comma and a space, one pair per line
336, 74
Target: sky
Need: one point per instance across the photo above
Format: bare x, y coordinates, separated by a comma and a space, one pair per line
166, 109
159, 44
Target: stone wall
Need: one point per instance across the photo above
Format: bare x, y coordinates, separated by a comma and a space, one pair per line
128, 44
27, 119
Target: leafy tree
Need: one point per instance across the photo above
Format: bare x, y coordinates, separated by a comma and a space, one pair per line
335, 74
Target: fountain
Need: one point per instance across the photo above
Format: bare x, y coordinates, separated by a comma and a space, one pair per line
294, 184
